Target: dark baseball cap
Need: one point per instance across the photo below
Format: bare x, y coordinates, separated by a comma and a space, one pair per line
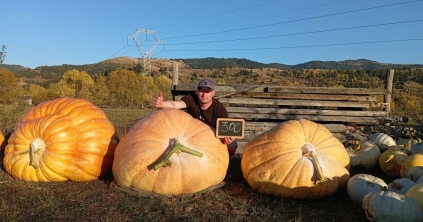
205, 84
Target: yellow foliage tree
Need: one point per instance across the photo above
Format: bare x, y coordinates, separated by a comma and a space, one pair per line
147, 90
9, 87
100, 91
74, 84
164, 85
124, 88
40, 94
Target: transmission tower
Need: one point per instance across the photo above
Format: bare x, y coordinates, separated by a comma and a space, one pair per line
146, 55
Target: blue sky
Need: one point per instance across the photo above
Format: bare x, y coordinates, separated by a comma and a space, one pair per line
56, 32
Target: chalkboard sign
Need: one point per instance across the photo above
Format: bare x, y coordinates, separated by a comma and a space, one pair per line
230, 127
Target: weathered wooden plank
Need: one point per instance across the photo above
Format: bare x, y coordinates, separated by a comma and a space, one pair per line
327, 90
286, 89
347, 119
229, 88
248, 101
327, 97
264, 126
306, 111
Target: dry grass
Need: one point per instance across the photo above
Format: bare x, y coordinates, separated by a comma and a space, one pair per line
100, 200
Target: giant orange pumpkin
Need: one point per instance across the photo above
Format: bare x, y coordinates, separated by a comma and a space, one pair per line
296, 159
2, 141
59, 140
145, 158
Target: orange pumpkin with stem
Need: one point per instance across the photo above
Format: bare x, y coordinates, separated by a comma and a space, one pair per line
59, 140
2, 141
296, 159
169, 152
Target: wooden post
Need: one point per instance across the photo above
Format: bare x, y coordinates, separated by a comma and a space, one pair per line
389, 88
175, 78
175, 74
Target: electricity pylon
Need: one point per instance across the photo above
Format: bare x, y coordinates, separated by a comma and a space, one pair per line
146, 55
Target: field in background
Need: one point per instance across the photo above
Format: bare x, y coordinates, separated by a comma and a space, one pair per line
123, 119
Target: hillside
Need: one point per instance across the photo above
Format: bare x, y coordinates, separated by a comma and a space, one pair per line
216, 63
224, 70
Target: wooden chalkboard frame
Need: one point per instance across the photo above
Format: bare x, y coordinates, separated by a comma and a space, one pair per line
219, 129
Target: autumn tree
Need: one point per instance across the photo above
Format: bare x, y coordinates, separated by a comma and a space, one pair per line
147, 91
100, 91
9, 87
164, 85
74, 84
40, 94
124, 88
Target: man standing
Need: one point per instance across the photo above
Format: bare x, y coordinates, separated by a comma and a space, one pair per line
201, 106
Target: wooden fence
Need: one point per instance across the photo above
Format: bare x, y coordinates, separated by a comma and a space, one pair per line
264, 106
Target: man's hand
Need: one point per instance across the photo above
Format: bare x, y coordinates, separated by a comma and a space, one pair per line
227, 140
158, 101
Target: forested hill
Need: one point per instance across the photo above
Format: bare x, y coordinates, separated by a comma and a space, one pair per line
216, 63
363, 64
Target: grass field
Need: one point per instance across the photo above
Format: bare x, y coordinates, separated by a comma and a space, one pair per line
100, 200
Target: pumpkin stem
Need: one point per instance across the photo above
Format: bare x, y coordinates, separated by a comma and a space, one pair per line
176, 147
35, 146
390, 157
357, 145
309, 149
397, 186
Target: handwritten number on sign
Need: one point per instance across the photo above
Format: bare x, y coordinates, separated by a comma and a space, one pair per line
231, 127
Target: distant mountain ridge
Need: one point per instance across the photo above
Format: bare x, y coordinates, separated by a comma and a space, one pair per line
216, 63
210, 63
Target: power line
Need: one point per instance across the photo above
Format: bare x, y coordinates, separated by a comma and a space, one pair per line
300, 33
104, 50
295, 47
296, 20
254, 6
263, 16
117, 51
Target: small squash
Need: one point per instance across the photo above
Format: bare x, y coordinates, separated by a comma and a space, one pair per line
59, 140
414, 173
407, 143
382, 140
400, 185
390, 206
390, 160
417, 148
296, 159
361, 184
409, 162
416, 192
171, 153
364, 155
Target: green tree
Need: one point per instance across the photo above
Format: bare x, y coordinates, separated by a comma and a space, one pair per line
74, 84
9, 87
